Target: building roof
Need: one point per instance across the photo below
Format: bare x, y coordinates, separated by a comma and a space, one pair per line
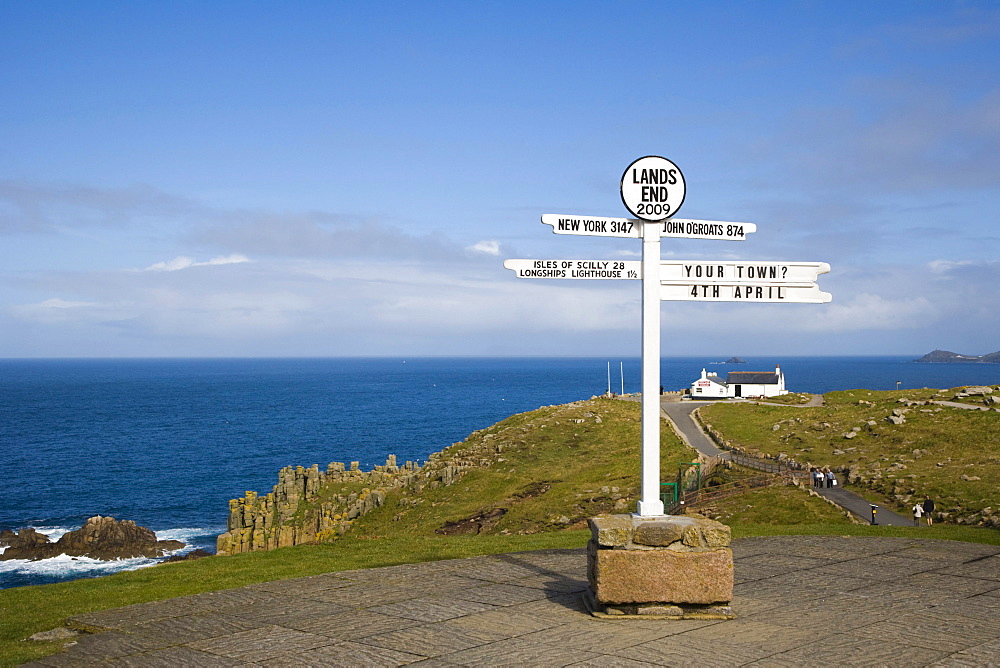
752, 378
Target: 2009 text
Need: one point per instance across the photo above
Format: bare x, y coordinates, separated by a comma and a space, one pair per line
645, 209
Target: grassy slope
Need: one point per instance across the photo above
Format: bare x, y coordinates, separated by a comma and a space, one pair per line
927, 454
774, 506
556, 466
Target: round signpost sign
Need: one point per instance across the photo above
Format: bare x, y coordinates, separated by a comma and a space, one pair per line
653, 188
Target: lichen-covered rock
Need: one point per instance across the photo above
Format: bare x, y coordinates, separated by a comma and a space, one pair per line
23, 542
658, 534
627, 531
612, 530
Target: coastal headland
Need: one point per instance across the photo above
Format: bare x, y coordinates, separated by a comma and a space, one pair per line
553, 468
948, 357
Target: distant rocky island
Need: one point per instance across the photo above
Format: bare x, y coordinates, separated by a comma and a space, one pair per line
732, 360
103, 538
948, 357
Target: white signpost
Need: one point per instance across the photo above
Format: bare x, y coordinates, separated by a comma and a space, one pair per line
653, 189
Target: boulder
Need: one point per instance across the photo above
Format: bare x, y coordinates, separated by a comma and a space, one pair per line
190, 556
58, 633
103, 538
27, 539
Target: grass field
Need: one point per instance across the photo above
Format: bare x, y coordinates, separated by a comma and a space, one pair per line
950, 454
551, 469
781, 505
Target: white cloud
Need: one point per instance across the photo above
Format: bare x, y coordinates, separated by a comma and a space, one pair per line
66, 207
947, 266
319, 235
178, 263
341, 307
58, 311
226, 315
62, 303
184, 262
486, 247
869, 312
235, 258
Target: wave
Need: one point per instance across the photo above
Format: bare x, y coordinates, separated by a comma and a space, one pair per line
55, 533
65, 567
192, 537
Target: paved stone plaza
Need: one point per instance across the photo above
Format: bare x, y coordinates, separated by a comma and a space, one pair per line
800, 600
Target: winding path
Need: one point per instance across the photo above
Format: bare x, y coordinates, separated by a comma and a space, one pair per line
680, 413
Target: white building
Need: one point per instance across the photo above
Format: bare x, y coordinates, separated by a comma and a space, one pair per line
739, 384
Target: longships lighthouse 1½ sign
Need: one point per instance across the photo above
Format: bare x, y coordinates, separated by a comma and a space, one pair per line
653, 190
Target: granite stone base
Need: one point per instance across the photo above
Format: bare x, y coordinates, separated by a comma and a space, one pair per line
670, 567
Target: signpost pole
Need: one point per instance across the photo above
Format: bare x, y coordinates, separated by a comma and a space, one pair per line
650, 503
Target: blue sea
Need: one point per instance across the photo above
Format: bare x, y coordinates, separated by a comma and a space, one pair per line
167, 442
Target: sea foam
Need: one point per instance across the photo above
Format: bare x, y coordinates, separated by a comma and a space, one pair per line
19, 572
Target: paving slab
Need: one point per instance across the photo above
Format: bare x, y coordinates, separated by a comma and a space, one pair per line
799, 600
348, 655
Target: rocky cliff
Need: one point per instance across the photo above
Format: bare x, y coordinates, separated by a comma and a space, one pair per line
308, 505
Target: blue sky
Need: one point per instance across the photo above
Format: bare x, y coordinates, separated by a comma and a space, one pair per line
322, 178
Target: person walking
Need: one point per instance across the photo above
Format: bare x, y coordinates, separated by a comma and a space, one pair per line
928, 507
830, 479
918, 511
